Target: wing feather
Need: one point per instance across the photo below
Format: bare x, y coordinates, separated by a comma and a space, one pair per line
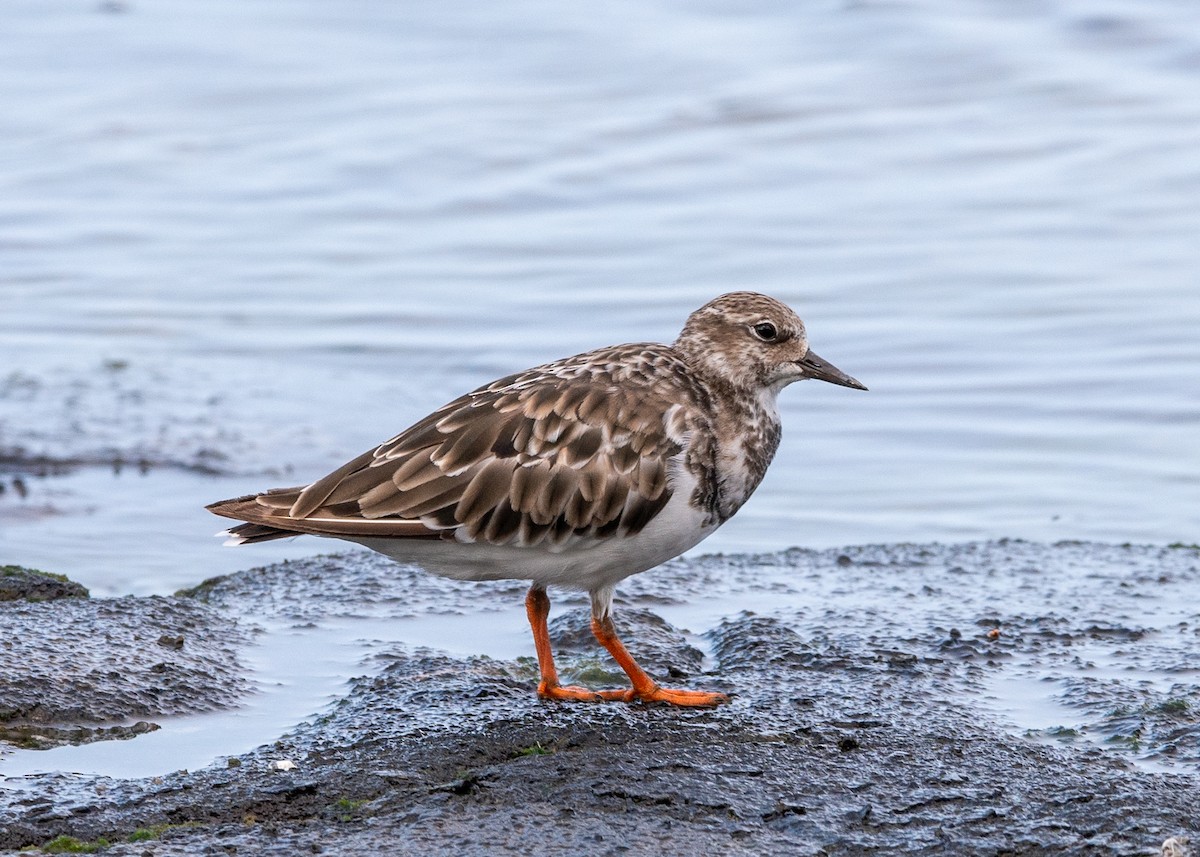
528, 483
467, 445
558, 490
425, 498
314, 495
491, 483
357, 486
413, 470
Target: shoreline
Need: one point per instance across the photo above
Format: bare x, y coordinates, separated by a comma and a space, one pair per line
865, 717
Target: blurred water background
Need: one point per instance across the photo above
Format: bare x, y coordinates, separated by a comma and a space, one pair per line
242, 241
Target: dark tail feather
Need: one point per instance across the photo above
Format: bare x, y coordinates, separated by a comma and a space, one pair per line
250, 534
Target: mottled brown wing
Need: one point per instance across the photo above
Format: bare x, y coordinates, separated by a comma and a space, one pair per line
578, 448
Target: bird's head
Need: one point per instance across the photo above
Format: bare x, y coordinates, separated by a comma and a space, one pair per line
753, 341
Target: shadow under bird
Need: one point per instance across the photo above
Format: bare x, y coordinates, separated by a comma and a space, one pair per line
578, 473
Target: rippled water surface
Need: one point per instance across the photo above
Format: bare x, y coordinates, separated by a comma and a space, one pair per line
253, 239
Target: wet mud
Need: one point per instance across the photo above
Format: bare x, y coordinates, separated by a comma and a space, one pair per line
75, 669
877, 698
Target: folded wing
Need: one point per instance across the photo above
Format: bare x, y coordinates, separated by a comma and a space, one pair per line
537, 458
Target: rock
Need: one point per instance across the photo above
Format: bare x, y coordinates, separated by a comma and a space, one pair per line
28, 584
75, 670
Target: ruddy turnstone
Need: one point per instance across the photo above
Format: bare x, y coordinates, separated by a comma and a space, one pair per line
577, 473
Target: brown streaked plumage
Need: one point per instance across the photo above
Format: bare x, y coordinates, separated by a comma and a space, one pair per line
579, 473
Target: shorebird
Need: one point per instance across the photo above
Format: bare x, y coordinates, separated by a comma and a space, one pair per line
578, 473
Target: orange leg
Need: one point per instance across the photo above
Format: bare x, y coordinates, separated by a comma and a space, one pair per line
537, 606
644, 687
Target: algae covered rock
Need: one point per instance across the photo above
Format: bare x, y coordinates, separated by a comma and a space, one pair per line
29, 584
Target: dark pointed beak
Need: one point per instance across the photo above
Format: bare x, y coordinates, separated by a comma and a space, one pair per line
815, 367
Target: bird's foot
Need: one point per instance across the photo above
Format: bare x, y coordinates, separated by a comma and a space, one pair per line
682, 698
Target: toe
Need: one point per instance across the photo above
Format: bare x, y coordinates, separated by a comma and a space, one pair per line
569, 693
685, 698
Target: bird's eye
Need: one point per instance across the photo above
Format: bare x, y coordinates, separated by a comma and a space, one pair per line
765, 331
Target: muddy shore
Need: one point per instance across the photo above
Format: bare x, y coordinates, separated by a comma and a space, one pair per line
865, 717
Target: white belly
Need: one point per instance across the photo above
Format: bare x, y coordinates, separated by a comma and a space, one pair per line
580, 564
